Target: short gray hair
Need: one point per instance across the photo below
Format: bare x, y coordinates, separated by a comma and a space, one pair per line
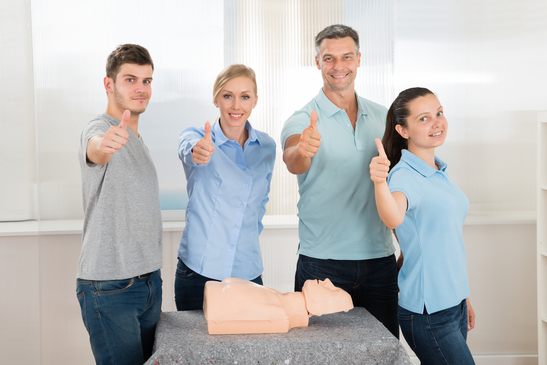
336, 31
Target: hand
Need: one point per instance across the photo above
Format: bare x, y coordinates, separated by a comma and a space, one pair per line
470, 316
379, 166
203, 150
310, 139
116, 137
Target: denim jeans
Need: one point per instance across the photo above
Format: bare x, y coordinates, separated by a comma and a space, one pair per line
438, 338
372, 284
189, 287
121, 317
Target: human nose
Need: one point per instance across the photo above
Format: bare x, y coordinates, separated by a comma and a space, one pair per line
236, 103
141, 87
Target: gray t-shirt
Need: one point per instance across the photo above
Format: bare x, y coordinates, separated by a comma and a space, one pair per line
122, 234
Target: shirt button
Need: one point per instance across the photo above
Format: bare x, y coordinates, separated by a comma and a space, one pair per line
232, 247
248, 185
349, 125
241, 205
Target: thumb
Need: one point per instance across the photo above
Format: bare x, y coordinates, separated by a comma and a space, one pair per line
125, 119
313, 119
208, 131
380, 146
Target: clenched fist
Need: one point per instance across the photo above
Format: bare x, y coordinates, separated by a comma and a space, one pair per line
379, 166
203, 150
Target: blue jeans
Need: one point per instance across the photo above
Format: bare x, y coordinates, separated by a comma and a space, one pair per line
189, 287
121, 317
372, 284
438, 338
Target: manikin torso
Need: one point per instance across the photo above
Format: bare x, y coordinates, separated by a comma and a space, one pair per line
236, 306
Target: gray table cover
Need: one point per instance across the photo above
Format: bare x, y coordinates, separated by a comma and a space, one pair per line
355, 337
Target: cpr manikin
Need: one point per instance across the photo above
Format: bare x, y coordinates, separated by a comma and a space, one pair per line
236, 306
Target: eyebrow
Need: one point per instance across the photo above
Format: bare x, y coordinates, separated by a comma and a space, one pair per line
231, 92
417, 116
343, 54
136, 77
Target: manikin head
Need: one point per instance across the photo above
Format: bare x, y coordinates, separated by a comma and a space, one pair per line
322, 297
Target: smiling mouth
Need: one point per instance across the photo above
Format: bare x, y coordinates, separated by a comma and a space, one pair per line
436, 134
338, 76
235, 115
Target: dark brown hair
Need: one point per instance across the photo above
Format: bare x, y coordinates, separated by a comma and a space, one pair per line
127, 53
398, 114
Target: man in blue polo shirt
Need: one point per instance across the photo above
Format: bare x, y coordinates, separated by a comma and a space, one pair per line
329, 144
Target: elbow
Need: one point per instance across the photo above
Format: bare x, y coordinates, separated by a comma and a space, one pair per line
393, 223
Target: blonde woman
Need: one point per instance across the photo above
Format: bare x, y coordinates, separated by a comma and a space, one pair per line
228, 166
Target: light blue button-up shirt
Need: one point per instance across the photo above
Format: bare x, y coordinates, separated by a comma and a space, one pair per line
227, 199
337, 208
434, 273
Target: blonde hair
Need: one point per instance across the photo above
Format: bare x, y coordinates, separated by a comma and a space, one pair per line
231, 72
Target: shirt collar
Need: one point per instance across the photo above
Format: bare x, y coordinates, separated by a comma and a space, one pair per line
219, 137
420, 165
329, 108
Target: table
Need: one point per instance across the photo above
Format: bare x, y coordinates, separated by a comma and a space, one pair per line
355, 337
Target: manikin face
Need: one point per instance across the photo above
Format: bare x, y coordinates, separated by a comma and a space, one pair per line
323, 297
236, 101
338, 61
132, 89
426, 124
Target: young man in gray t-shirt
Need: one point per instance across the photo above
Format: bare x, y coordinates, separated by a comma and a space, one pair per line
119, 285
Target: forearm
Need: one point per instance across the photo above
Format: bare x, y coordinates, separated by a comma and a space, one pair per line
93, 153
296, 163
390, 211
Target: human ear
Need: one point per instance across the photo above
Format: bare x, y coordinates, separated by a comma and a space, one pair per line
108, 84
402, 131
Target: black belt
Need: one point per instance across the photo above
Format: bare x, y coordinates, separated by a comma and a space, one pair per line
144, 276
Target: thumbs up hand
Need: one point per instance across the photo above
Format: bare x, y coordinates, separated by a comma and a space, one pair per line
116, 137
379, 166
310, 139
203, 150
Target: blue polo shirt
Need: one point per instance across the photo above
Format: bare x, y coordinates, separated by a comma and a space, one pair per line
434, 273
337, 211
227, 200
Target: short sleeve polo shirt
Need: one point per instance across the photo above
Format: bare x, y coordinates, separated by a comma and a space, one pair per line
337, 211
434, 273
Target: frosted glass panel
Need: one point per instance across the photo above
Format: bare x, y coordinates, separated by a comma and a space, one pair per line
17, 140
486, 62
71, 42
276, 39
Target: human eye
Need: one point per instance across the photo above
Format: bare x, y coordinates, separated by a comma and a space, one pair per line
440, 114
130, 79
226, 96
245, 97
147, 81
423, 119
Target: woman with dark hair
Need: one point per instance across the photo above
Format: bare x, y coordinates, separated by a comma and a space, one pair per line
427, 211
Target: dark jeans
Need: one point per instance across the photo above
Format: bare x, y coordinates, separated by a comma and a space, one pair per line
189, 287
438, 338
372, 284
121, 317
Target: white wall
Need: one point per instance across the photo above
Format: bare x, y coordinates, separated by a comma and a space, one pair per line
41, 321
